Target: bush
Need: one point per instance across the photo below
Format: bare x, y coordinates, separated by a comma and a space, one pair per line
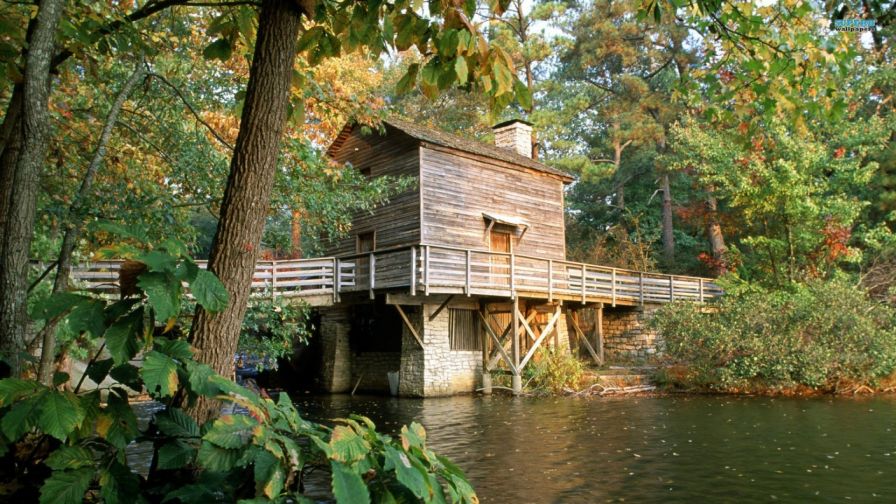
71, 444
553, 371
822, 335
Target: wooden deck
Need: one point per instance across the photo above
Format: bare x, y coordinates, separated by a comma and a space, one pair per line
430, 269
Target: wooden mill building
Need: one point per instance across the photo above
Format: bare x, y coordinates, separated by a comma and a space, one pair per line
465, 274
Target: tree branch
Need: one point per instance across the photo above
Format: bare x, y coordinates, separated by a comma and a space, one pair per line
192, 110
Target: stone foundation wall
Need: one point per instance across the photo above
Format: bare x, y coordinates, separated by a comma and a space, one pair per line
627, 335
369, 370
336, 368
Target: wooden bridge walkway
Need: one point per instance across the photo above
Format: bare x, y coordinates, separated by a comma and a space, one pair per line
435, 269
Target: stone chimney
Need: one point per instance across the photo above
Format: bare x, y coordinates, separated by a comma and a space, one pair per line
515, 135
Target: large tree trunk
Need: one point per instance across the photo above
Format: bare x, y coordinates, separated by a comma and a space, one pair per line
714, 232
247, 195
668, 236
75, 220
18, 215
296, 234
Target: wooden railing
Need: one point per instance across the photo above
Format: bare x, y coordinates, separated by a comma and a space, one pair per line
427, 269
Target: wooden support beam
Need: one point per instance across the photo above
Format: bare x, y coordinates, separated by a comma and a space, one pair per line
372, 280
498, 346
440, 308
410, 326
524, 321
551, 280
413, 271
613, 285
469, 275
599, 330
578, 330
548, 329
336, 280
426, 270
516, 335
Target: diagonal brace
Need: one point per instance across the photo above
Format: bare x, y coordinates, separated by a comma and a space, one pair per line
410, 326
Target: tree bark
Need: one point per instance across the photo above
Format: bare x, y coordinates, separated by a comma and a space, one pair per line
296, 234
74, 221
247, 194
15, 243
668, 236
714, 232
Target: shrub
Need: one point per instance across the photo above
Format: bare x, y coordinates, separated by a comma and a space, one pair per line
824, 335
71, 444
553, 371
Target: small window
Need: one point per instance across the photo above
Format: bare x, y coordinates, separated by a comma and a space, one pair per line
365, 171
366, 242
463, 330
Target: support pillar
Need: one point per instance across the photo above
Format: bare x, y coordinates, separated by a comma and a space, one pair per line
486, 383
517, 382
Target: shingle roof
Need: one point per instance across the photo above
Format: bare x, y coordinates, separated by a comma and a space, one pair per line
441, 138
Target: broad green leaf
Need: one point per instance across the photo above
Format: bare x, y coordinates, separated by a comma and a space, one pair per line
461, 70
70, 457
128, 375
99, 370
231, 431
60, 414
163, 291
198, 375
55, 305
176, 348
175, 454
269, 474
220, 49
122, 337
66, 487
117, 422
12, 389
215, 458
408, 80
407, 473
158, 261
187, 271
60, 377
176, 423
310, 38
21, 418
347, 445
159, 374
523, 95
413, 436
347, 485
88, 316
118, 484
209, 291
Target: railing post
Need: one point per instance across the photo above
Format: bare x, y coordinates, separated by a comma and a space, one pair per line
336, 280
671, 288
273, 279
426, 269
583, 283
701, 289
414, 270
467, 285
641, 287
372, 275
512, 276
550, 280
613, 285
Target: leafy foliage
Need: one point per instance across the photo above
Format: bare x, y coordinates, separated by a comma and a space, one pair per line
263, 455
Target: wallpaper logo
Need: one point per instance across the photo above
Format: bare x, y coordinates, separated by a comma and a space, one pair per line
854, 25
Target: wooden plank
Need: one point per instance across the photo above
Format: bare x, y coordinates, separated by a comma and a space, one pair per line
498, 345
440, 308
584, 339
413, 271
549, 328
409, 325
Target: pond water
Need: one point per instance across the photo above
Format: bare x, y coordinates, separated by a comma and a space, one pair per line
652, 449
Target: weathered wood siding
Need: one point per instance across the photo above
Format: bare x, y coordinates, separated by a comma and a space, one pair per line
458, 187
397, 222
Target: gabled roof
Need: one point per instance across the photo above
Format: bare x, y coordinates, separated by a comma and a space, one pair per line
443, 139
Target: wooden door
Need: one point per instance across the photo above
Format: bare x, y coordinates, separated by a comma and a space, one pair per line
499, 241
366, 242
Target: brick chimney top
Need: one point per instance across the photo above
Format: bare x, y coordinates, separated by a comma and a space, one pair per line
515, 135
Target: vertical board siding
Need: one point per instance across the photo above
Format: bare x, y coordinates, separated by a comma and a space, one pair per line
463, 329
457, 188
397, 222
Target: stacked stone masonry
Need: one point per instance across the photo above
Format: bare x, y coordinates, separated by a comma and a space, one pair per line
627, 334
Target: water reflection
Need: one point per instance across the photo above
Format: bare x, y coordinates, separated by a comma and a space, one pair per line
688, 449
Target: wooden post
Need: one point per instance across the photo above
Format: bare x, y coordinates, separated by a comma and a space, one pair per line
599, 330
426, 270
467, 284
550, 280
613, 285
335, 266
640, 287
512, 277
273, 279
583, 283
671, 288
414, 271
516, 380
701, 289
372, 273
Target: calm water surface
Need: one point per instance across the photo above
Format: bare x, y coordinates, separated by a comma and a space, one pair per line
682, 449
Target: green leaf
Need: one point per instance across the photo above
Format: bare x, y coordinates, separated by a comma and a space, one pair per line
310, 38
215, 458
159, 374
176, 423
209, 291
69, 457
122, 336
198, 375
176, 348
413, 436
88, 316
269, 474
176, 454
97, 371
231, 431
220, 49
55, 305
128, 375
21, 418
348, 487
461, 70
158, 261
187, 271
13, 389
60, 414
523, 96
407, 473
408, 80
163, 291
66, 487
60, 377
118, 484
117, 422
347, 445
